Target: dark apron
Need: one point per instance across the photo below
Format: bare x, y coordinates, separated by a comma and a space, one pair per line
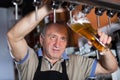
50, 75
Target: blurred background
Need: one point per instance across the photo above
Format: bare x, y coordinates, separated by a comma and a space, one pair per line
103, 15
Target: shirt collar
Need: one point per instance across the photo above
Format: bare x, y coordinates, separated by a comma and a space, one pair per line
64, 56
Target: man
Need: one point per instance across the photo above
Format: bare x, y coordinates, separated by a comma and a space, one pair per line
54, 64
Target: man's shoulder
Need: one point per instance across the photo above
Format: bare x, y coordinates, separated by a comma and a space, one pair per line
74, 56
77, 57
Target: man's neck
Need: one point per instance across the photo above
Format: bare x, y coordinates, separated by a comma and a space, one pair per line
52, 61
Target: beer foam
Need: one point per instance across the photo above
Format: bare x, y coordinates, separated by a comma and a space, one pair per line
80, 18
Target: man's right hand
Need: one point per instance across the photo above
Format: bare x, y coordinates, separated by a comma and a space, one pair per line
48, 4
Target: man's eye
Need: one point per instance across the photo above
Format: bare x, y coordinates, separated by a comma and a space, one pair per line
52, 37
63, 39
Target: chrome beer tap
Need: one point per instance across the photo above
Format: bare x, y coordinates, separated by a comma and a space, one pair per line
118, 15
16, 3
110, 14
99, 12
36, 4
54, 5
86, 9
70, 8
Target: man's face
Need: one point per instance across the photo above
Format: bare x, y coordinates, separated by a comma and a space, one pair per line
54, 41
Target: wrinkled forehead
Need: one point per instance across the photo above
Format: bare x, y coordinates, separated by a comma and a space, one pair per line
57, 28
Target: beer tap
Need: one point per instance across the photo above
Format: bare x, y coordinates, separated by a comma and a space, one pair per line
16, 3
99, 12
110, 14
118, 15
86, 9
36, 4
55, 5
65, 4
70, 9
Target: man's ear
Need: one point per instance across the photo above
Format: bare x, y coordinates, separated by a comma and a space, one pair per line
41, 40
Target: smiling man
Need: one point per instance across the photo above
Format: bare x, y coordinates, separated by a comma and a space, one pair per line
54, 64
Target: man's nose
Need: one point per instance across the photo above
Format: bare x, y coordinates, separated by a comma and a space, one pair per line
57, 43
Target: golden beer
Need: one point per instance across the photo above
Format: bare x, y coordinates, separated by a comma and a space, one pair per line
86, 30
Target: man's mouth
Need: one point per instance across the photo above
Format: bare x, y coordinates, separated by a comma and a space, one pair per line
56, 50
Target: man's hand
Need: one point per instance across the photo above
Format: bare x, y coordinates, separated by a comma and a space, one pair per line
104, 38
48, 4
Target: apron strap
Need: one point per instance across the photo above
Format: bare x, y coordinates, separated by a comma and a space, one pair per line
64, 66
36, 75
64, 70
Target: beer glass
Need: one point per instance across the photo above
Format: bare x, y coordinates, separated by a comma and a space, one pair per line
83, 27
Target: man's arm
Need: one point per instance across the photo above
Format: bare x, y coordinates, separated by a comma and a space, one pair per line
16, 35
107, 62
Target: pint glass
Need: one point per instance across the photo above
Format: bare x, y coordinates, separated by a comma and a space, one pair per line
83, 27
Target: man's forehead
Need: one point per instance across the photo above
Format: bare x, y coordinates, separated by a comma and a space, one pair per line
57, 27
